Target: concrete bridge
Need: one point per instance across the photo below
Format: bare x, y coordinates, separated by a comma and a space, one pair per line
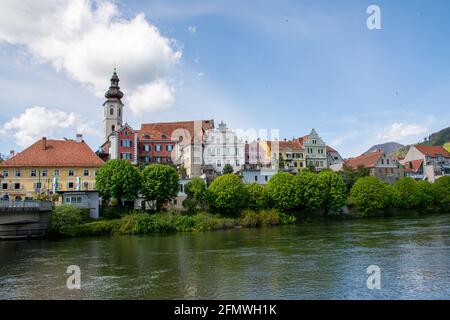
24, 219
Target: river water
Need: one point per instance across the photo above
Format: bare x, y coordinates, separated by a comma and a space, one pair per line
321, 260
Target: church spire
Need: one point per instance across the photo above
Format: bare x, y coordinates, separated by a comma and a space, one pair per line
114, 90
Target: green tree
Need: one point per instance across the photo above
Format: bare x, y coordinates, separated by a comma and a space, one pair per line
369, 194
257, 196
227, 169
118, 179
406, 194
159, 183
282, 191
65, 219
441, 190
350, 175
281, 162
226, 193
425, 192
196, 195
302, 181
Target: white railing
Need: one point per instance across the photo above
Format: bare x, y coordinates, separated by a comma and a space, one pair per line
14, 205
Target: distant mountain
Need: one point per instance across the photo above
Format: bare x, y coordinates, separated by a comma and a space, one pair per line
388, 147
435, 139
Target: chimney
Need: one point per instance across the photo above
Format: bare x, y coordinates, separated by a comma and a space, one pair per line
12, 153
79, 137
44, 143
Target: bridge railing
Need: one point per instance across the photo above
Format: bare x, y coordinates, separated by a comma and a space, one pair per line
25, 205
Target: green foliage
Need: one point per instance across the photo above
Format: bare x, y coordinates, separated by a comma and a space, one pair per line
441, 190
350, 175
282, 191
425, 192
257, 196
406, 194
65, 219
208, 222
226, 193
249, 218
159, 183
302, 181
287, 218
118, 179
269, 217
196, 195
369, 194
97, 228
227, 169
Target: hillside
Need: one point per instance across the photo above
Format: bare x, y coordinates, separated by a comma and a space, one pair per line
388, 147
435, 139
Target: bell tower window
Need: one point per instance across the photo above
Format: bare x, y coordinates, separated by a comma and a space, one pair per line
111, 111
113, 128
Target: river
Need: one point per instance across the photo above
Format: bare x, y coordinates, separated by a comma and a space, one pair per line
321, 260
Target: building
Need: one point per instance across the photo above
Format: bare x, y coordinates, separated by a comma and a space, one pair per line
435, 160
180, 143
414, 169
87, 199
223, 147
293, 155
333, 157
382, 166
315, 151
50, 166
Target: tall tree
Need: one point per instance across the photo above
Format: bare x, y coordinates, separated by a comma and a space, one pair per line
159, 183
227, 169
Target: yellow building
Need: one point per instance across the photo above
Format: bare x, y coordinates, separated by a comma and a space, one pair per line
49, 166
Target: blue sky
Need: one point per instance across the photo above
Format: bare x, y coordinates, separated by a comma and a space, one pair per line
287, 65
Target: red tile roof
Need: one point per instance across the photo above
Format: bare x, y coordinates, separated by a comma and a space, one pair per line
330, 149
168, 128
55, 153
432, 151
367, 160
413, 166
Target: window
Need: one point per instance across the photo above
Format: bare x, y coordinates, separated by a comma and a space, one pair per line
126, 133
387, 160
71, 172
382, 161
158, 159
266, 178
56, 173
70, 185
111, 111
126, 155
169, 147
86, 173
181, 188
86, 185
256, 178
38, 185
45, 173
33, 173
147, 147
314, 141
147, 159
5, 173
113, 128
74, 199
18, 173
301, 164
126, 143
158, 147
4, 186
16, 186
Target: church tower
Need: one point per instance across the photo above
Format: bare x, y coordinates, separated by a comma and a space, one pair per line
113, 107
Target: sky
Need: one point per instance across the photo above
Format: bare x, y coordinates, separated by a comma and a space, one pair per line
284, 65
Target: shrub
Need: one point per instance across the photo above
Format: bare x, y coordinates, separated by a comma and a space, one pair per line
425, 193
249, 218
184, 223
196, 195
226, 193
406, 194
209, 222
269, 217
287, 218
441, 190
326, 190
65, 219
302, 181
256, 196
369, 194
282, 191
97, 228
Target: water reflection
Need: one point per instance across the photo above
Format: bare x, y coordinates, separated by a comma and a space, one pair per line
315, 261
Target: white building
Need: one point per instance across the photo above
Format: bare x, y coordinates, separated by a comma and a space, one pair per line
223, 147
316, 151
435, 160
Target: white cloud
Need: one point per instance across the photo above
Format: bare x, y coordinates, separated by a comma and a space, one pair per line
192, 29
157, 95
85, 39
37, 122
200, 74
400, 131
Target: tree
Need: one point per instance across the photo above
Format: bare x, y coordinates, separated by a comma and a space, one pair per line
281, 162
406, 194
302, 181
118, 179
227, 169
370, 194
159, 183
196, 195
65, 219
256, 196
282, 191
441, 190
350, 175
425, 192
326, 191
226, 193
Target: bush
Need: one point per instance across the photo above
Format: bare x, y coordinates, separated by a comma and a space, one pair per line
249, 218
257, 196
65, 220
184, 223
226, 193
406, 194
209, 222
369, 194
196, 195
425, 193
97, 228
326, 190
269, 217
287, 218
282, 191
441, 190
302, 181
